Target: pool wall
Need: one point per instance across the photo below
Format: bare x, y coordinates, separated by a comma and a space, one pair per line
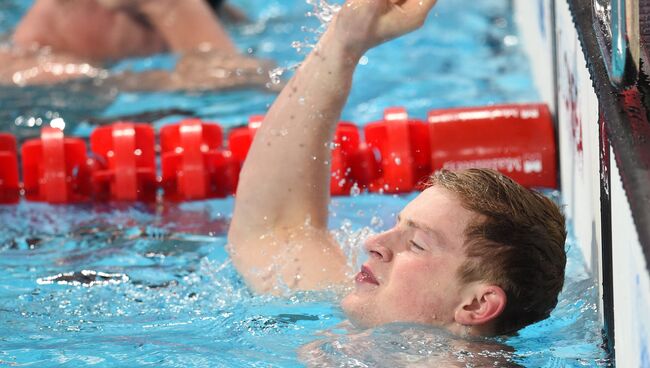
603, 210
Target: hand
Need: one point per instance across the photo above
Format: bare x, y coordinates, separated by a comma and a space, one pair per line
363, 24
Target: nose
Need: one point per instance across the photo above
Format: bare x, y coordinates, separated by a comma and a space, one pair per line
378, 247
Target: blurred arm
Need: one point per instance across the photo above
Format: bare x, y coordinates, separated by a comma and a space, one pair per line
200, 71
195, 71
24, 68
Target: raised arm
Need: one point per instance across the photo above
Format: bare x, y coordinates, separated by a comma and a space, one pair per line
279, 229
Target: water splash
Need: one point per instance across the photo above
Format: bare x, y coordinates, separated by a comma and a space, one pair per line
324, 12
86, 278
275, 75
355, 191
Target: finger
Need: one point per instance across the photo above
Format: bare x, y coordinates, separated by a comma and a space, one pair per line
399, 8
428, 4
421, 5
419, 9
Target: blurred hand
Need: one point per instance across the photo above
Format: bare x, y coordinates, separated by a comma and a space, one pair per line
363, 24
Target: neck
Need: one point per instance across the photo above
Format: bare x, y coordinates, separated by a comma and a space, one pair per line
485, 330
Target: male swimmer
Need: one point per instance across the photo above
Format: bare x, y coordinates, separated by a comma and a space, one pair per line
475, 253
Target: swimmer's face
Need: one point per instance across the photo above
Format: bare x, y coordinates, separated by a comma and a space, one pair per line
411, 273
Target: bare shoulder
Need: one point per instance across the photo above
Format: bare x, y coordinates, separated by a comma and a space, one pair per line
301, 259
38, 24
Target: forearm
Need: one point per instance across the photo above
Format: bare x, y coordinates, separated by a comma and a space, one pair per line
199, 71
285, 180
187, 25
22, 68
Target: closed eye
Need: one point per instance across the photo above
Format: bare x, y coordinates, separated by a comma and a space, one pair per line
416, 247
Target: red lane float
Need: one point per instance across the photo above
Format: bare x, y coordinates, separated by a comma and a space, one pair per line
517, 140
55, 168
352, 162
345, 146
241, 138
9, 182
365, 167
126, 162
193, 164
404, 147
397, 155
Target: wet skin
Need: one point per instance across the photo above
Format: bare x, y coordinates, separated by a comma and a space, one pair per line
107, 34
411, 273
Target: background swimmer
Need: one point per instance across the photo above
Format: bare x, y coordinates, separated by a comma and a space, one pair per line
58, 40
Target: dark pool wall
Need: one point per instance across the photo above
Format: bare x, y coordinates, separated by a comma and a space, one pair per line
593, 171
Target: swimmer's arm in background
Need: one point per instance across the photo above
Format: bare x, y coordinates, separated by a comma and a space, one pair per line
195, 71
279, 230
200, 71
23, 68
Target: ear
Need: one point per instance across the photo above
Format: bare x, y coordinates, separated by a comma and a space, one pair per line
481, 304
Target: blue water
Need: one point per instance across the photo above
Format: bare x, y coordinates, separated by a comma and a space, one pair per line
167, 295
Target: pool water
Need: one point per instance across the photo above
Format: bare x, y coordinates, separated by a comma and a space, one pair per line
131, 285
183, 303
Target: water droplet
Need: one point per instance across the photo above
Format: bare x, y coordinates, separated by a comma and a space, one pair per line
324, 12
355, 190
376, 221
275, 75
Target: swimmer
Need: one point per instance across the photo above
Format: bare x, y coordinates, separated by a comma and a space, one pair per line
474, 254
59, 40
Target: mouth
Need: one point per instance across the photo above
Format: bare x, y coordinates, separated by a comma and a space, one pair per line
366, 276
